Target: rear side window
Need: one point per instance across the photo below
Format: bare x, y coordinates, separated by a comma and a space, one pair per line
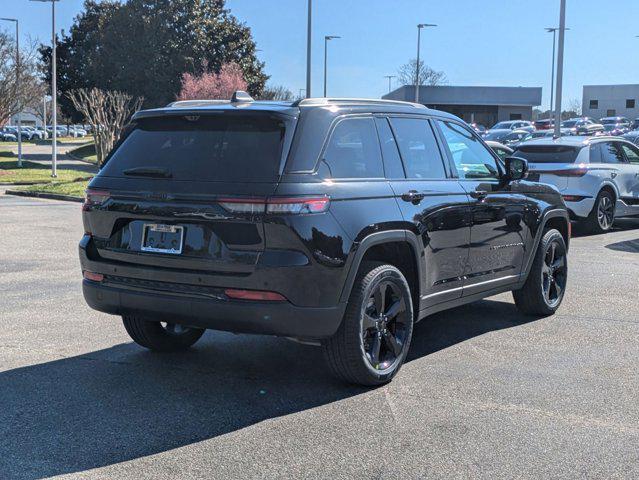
548, 153
610, 153
353, 150
418, 147
392, 161
222, 148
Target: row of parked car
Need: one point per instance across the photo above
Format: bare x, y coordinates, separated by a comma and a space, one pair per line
595, 166
513, 132
10, 133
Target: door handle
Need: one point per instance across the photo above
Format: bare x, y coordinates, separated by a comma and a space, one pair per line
413, 196
478, 194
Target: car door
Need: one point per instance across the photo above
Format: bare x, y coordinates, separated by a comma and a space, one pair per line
631, 174
498, 234
431, 200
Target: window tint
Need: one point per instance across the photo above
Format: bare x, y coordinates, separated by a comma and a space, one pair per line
472, 159
207, 148
611, 153
353, 150
392, 160
630, 103
632, 153
594, 104
547, 153
417, 144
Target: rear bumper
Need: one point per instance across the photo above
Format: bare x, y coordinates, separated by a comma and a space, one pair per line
269, 318
581, 209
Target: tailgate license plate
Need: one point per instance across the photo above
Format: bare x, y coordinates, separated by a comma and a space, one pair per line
161, 238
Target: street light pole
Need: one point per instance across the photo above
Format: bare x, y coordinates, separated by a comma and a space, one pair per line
560, 67
308, 49
419, 31
389, 81
552, 75
326, 40
54, 93
18, 92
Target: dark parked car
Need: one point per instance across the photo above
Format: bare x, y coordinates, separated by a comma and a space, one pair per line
544, 124
335, 222
615, 129
581, 126
514, 125
506, 137
635, 124
479, 128
615, 120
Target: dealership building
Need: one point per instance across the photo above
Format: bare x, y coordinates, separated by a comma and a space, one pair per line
485, 105
610, 101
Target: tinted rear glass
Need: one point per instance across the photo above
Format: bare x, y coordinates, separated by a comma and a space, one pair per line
206, 148
548, 153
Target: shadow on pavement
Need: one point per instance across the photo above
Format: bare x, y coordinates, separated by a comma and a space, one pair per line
123, 403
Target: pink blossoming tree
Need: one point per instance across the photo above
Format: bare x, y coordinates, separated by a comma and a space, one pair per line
211, 85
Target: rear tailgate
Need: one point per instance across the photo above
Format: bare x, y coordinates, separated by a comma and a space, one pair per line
552, 164
183, 192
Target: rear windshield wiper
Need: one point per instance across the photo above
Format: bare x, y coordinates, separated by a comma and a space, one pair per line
148, 172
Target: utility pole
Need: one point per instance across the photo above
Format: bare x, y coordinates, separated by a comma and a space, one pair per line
54, 92
419, 31
308, 49
18, 91
560, 67
326, 40
389, 77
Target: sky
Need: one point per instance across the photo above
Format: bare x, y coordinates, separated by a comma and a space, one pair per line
476, 42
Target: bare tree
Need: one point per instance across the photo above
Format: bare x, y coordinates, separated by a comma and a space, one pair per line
277, 92
107, 112
574, 105
30, 90
427, 76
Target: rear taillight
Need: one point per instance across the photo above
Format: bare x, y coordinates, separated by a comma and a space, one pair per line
276, 205
254, 295
573, 198
94, 277
94, 198
578, 171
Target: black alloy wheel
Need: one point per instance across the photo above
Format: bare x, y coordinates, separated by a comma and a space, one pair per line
554, 273
605, 212
374, 337
384, 326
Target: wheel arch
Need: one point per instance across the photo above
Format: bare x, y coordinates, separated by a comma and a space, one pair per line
373, 247
556, 218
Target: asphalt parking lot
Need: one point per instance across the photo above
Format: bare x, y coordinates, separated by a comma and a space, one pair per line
486, 392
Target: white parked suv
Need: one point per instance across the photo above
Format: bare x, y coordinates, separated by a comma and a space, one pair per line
598, 177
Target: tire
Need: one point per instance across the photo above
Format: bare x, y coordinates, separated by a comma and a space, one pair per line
545, 286
160, 336
372, 342
602, 216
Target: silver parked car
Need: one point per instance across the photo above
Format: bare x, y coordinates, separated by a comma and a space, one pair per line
598, 177
514, 125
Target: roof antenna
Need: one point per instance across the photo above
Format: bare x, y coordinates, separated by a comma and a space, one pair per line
240, 96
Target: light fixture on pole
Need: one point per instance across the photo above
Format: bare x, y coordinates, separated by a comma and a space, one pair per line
54, 93
560, 67
18, 92
327, 38
389, 77
419, 31
552, 75
308, 48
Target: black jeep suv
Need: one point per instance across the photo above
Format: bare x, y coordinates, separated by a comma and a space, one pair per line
332, 221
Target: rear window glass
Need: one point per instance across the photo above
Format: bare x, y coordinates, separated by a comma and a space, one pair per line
548, 153
206, 148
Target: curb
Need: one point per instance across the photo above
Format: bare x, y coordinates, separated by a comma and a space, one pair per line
50, 196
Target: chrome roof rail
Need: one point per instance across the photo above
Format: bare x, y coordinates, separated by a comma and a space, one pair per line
362, 101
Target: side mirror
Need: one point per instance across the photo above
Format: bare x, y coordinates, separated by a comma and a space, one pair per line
516, 168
